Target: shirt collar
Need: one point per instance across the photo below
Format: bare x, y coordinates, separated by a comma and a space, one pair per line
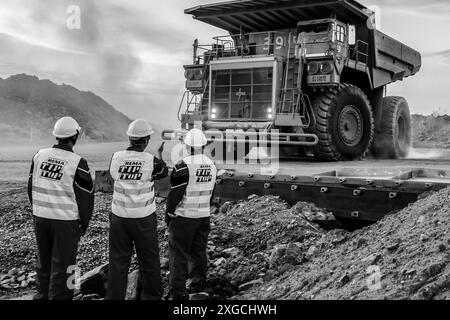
62, 147
134, 148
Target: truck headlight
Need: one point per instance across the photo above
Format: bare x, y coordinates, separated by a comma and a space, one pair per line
213, 113
198, 74
189, 74
313, 67
326, 67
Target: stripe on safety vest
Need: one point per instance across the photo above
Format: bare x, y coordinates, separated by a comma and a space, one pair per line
133, 205
190, 206
60, 206
50, 192
133, 192
198, 193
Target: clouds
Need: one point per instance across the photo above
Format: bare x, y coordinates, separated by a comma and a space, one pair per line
443, 55
132, 52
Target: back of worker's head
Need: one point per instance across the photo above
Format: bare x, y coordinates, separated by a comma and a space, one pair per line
195, 140
139, 133
66, 131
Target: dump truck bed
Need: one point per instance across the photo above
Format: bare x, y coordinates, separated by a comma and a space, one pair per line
388, 59
267, 15
392, 60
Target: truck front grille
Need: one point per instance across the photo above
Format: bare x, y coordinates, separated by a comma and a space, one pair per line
242, 94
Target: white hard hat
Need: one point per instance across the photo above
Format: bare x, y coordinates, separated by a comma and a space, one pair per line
140, 128
195, 138
66, 127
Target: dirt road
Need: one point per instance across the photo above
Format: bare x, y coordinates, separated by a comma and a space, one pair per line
422, 158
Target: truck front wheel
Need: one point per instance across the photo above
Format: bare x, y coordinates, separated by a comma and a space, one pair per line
394, 139
344, 124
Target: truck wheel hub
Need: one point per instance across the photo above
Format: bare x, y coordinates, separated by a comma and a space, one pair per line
351, 126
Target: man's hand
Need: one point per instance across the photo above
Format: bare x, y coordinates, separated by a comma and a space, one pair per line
161, 149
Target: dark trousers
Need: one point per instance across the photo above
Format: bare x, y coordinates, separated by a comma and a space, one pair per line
57, 244
188, 239
143, 235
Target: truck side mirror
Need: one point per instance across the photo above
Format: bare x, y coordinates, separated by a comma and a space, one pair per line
351, 35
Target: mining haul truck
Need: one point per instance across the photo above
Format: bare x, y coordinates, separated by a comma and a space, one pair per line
313, 71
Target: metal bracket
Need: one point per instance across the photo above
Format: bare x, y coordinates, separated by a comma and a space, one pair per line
393, 195
355, 214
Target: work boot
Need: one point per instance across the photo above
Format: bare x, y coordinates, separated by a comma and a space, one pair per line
178, 296
40, 297
200, 296
195, 286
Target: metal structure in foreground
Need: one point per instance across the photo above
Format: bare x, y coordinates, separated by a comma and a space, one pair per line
364, 195
357, 194
314, 71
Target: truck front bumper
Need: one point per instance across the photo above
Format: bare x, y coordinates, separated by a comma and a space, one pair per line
251, 136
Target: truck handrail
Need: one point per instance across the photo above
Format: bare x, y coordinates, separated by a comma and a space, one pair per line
228, 45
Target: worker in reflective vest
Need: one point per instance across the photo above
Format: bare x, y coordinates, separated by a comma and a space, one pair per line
188, 218
61, 192
133, 222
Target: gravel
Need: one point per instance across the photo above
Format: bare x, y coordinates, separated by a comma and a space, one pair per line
404, 256
264, 249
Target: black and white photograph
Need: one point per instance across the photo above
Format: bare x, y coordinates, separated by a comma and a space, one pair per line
221, 157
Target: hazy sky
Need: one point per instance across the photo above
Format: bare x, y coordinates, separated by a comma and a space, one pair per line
131, 52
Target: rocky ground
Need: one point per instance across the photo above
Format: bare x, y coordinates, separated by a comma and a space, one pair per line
264, 249
405, 256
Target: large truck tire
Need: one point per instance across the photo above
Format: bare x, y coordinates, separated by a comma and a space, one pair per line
344, 124
394, 139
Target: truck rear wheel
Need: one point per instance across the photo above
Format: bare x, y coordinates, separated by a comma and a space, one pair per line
344, 124
394, 139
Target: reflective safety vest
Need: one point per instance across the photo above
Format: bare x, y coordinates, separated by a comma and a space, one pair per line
134, 194
202, 179
53, 178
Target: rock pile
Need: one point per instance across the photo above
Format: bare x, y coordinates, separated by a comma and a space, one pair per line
17, 279
254, 241
404, 256
264, 249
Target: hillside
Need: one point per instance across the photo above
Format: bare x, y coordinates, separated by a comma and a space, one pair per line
30, 104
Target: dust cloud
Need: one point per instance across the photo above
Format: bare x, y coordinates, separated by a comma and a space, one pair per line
428, 154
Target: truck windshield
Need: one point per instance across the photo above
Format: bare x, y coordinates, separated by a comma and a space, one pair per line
316, 28
242, 94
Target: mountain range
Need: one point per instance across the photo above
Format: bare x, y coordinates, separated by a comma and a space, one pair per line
29, 107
